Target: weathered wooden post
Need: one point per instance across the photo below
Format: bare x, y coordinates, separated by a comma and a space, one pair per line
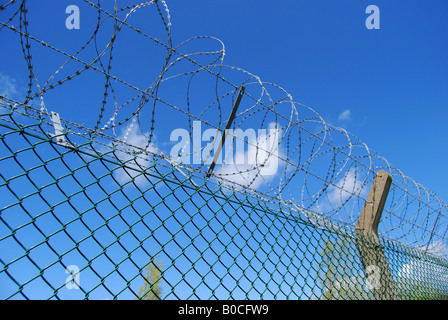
369, 245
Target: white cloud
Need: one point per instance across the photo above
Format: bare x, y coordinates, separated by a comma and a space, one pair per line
337, 200
132, 136
424, 271
8, 86
258, 165
410, 271
345, 116
437, 248
345, 187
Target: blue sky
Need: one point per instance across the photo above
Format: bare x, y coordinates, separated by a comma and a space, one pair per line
386, 86
393, 80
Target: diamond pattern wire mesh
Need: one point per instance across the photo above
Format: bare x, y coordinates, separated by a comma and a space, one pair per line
107, 215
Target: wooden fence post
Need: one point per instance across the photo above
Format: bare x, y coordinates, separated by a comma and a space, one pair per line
375, 264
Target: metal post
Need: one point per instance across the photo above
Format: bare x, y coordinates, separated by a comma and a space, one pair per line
369, 245
229, 123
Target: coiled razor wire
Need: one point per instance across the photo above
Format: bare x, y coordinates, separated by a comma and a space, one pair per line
323, 170
129, 225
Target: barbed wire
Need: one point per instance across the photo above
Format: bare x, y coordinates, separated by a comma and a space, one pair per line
320, 169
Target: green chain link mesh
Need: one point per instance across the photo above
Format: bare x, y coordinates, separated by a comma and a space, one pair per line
90, 222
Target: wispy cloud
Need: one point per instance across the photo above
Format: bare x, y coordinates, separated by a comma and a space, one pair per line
437, 248
8, 86
349, 185
255, 166
423, 272
132, 136
345, 116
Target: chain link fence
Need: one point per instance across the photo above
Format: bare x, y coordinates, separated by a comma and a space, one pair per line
85, 216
